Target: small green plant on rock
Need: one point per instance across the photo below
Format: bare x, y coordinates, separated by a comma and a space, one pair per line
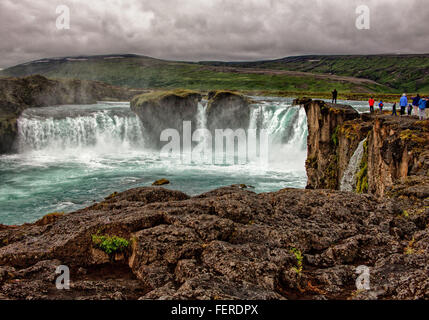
298, 255
110, 244
335, 136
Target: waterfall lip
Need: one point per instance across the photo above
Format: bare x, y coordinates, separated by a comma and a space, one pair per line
74, 111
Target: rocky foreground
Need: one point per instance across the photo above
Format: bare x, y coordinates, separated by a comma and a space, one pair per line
226, 244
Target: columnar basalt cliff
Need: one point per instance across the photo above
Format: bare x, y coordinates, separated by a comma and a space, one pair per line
396, 153
18, 94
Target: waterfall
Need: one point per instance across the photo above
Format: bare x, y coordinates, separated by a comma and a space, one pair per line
114, 129
287, 129
348, 181
202, 116
55, 130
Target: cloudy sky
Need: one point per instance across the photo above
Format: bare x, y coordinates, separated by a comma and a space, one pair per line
196, 30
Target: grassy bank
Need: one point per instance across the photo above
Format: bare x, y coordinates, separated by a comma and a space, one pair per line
409, 73
143, 72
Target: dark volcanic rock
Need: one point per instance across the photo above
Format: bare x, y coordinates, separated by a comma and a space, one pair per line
229, 243
323, 120
396, 157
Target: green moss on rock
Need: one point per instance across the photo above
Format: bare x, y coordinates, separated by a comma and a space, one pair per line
161, 182
334, 136
110, 244
413, 135
220, 95
156, 97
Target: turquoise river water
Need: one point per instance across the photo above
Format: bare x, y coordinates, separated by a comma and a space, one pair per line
71, 156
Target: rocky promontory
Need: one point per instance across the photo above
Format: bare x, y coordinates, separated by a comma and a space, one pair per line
230, 243
18, 94
396, 155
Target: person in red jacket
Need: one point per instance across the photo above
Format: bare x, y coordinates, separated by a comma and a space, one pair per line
371, 104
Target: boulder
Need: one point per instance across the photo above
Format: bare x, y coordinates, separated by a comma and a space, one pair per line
161, 182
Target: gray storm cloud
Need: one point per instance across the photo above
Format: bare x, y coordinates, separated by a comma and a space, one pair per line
196, 30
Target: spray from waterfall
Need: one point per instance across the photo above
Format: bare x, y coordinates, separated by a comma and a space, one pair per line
63, 130
114, 129
287, 129
348, 181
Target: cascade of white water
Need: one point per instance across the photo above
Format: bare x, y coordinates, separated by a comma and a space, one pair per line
99, 129
348, 181
114, 129
286, 126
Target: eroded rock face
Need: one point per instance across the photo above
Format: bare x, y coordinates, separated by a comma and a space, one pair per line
396, 159
163, 110
227, 110
18, 94
324, 165
397, 151
229, 243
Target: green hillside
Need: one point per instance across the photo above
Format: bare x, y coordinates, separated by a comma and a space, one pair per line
144, 72
408, 73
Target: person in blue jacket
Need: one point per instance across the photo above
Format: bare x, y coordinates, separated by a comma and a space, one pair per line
380, 106
416, 101
403, 103
422, 107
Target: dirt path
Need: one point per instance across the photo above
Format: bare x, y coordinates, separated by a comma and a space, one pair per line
291, 73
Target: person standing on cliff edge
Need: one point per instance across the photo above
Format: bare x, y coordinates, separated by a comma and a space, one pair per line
334, 96
422, 107
380, 106
371, 104
416, 101
394, 110
403, 102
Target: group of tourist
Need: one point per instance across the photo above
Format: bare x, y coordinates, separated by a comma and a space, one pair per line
417, 106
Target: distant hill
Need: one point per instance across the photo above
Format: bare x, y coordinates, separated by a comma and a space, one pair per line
408, 73
357, 74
